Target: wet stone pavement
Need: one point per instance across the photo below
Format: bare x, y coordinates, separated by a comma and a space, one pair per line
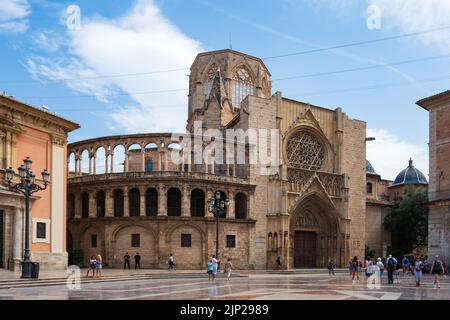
260, 287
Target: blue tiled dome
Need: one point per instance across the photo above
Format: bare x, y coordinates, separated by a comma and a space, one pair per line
410, 175
369, 168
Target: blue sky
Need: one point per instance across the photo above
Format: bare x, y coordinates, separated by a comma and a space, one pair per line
43, 62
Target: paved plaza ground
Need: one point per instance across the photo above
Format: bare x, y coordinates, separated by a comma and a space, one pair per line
180, 285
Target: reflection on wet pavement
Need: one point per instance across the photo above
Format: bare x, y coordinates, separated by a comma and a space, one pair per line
261, 287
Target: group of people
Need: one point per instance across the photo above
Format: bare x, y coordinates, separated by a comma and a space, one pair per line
213, 265
95, 265
137, 261
417, 266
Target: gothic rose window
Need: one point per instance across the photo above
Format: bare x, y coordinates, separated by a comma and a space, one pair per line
304, 151
242, 86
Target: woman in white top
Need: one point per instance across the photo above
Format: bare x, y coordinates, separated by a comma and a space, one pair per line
380, 266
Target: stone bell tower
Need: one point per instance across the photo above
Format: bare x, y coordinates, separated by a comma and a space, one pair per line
219, 82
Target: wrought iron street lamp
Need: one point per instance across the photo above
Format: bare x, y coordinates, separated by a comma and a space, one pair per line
27, 187
218, 207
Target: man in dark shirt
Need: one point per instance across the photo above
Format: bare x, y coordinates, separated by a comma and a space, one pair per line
126, 261
137, 261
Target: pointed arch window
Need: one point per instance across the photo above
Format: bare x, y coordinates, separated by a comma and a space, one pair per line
242, 86
210, 78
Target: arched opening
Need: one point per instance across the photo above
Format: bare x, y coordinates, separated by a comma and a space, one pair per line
100, 212
118, 203
72, 164
71, 206
314, 230
174, 202
100, 160
240, 206
151, 202
119, 159
269, 241
85, 205
223, 196
369, 187
197, 203
85, 160
134, 198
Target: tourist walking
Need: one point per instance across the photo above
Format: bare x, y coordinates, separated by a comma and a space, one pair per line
380, 266
98, 265
92, 263
331, 267
137, 261
171, 262
437, 269
228, 267
405, 264
126, 261
210, 270
355, 269
391, 264
369, 266
215, 263
418, 266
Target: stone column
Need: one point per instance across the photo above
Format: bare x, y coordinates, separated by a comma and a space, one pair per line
77, 205
90, 165
162, 200
142, 200
109, 203
185, 202
18, 233
80, 158
112, 162
106, 163
126, 203
209, 194
126, 162
143, 159
94, 160
250, 204
231, 214
92, 205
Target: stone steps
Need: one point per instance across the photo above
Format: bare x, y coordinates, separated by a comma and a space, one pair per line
17, 283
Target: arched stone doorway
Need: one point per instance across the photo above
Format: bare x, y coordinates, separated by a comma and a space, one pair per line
314, 233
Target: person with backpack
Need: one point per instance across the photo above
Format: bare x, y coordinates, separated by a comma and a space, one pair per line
171, 262
355, 269
405, 264
391, 265
437, 269
331, 267
369, 266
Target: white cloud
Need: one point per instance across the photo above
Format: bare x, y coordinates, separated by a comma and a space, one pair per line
389, 154
13, 14
142, 40
418, 15
48, 40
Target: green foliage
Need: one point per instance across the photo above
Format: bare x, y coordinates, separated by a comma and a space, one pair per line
368, 252
408, 221
78, 256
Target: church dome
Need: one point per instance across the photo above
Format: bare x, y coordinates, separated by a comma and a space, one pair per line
410, 175
369, 168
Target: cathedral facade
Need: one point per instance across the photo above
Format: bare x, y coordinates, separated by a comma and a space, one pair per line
307, 206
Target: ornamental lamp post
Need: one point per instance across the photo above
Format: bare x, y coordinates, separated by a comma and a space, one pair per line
217, 206
27, 187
